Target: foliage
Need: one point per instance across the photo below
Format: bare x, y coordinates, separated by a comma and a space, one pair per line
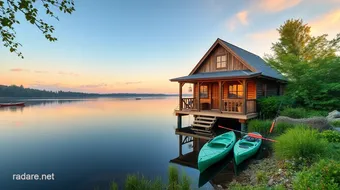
30, 9
269, 106
322, 175
282, 127
300, 142
260, 126
261, 177
113, 186
310, 63
296, 113
331, 136
335, 123
238, 186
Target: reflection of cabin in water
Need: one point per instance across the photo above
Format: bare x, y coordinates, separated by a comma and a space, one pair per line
227, 82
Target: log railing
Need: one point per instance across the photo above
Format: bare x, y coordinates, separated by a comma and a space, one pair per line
233, 105
188, 103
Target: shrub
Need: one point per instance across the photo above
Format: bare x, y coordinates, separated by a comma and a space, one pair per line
300, 142
282, 127
296, 113
322, 175
261, 177
260, 126
335, 123
331, 136
270, 105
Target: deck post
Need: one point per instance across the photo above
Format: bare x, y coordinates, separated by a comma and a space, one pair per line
199, 96
180, 96
245, 97
220, 94
179, 121
180, 137
243, 125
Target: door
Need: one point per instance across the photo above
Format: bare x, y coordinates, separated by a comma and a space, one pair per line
215, 103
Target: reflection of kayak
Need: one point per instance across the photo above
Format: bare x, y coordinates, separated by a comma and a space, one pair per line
246, 147
12, 104
215, 150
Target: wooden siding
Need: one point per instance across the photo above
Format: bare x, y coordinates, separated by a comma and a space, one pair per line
209, 64
273, 88
251, 87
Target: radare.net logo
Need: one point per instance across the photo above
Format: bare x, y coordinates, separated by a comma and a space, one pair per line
36, 177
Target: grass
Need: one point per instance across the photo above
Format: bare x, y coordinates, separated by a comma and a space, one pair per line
300, 142
298, 113
260, 126
335, 123
139, 182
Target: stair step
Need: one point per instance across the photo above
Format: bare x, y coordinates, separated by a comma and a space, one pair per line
200, 125
205, 122
206, 118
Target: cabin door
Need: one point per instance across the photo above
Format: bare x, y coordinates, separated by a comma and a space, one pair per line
214, 96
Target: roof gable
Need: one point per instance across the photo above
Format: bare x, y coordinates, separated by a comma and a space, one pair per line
251, 61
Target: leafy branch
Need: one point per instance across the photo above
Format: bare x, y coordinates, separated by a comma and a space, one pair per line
10, 8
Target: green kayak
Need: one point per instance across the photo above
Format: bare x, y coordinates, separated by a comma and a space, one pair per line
215, 150
246, 147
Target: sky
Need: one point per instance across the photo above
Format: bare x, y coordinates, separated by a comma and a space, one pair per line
111, 46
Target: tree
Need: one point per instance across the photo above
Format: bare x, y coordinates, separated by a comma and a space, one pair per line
310, 63
9, 10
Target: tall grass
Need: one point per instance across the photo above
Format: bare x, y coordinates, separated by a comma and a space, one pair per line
260, 126
300, 142
335, 123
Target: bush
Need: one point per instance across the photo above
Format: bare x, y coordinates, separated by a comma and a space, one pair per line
282, 127
331, 136
300, 142
260, 126
270, 105
298, 113
322, 175
335, 123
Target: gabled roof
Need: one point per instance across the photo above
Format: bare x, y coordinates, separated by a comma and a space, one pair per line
218, 75
253, 62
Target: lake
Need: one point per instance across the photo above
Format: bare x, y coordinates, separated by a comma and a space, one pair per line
88, 143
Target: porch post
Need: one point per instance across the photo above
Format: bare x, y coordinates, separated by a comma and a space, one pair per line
245, 96
199, 96
220, 94
180, 96
243, 125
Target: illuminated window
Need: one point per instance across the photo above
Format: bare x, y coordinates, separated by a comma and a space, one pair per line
235, 91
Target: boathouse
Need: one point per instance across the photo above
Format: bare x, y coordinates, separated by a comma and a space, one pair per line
227, 82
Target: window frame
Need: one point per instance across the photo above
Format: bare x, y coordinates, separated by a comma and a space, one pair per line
239, 93
219, 61
202, 92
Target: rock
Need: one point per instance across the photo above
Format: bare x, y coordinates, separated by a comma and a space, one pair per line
219, 187
319, 123
333, 115
270, 182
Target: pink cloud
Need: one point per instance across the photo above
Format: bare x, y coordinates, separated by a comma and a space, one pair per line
19, 70
276, 5
240, 18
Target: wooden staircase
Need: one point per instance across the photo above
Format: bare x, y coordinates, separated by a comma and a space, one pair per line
203, 125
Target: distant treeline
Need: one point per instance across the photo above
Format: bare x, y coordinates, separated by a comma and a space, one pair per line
20, 91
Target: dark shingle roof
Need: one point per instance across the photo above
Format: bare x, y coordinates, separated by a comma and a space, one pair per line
217, 75
255, 61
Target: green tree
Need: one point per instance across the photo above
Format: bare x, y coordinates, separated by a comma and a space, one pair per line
310, 63
32, 10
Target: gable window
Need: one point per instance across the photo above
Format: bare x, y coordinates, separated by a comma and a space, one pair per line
221, 61
235, 91
204, 91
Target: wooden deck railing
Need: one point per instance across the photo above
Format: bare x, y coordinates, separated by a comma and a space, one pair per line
188, 103
233, 105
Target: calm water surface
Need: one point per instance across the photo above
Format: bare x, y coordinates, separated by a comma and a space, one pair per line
88, 143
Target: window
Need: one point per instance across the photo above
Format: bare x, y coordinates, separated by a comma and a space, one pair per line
204, 91
235, 91
221, 61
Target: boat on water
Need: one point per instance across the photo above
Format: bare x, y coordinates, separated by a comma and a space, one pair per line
12, 104
246, 147
215, 150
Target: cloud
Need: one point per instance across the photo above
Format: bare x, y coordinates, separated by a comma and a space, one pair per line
133, 82
94, 85
67, 73
19, 70
240, 18
276, 5
326, 24
41, 72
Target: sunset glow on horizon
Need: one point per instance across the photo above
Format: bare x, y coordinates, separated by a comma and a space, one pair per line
136, 47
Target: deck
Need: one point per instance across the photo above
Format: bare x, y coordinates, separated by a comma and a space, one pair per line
216, 113
189, 160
